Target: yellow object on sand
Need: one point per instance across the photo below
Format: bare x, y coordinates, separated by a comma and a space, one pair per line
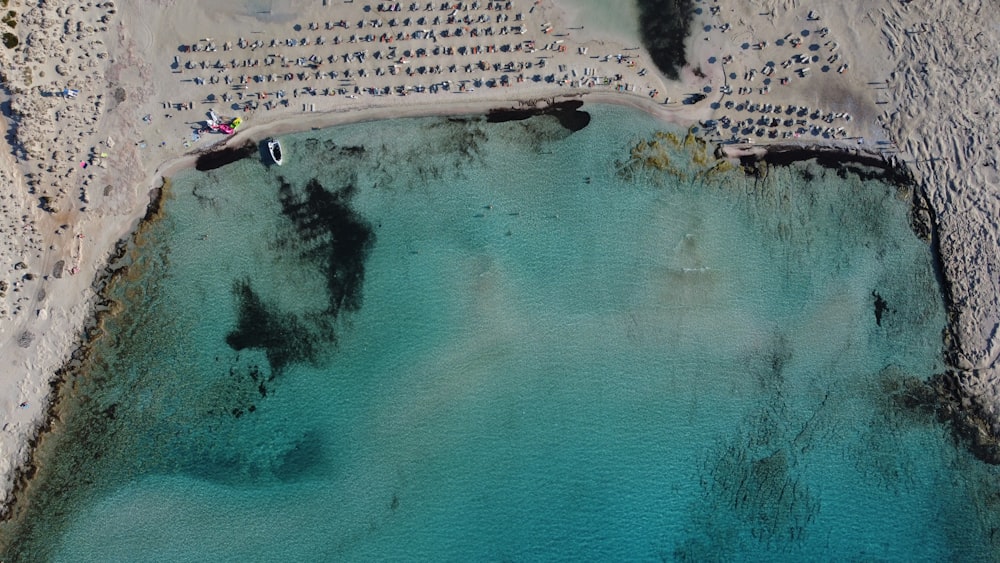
236, 123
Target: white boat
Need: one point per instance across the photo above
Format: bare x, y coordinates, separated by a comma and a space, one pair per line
274, 147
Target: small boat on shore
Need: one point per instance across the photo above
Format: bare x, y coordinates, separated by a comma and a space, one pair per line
274, 147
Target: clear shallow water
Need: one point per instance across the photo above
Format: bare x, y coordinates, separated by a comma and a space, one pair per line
496, 345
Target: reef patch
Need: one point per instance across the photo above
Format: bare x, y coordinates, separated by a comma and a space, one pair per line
281, 335
329, 234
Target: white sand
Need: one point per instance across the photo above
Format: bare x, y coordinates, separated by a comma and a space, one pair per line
911, 82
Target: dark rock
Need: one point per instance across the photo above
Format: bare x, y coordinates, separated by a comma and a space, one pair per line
262, 326
880, 307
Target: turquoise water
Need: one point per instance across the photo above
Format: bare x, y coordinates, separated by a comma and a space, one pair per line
480, 341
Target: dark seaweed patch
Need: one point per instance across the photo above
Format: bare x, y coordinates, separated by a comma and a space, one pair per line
880, 307
752, 482
905, 400
281, 335
330, 234
767, 363
663, 26
572, 120
756, 480
220, 158
333, 235
466, 141
235, 396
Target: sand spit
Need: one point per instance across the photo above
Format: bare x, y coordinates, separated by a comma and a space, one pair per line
104, 98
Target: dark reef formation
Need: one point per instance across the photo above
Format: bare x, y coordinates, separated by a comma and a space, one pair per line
664, 26
281, 335
329, 234
332, 235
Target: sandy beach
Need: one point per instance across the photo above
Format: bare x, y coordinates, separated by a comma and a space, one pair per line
104, 99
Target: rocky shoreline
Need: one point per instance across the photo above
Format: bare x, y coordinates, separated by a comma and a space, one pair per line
101, 307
